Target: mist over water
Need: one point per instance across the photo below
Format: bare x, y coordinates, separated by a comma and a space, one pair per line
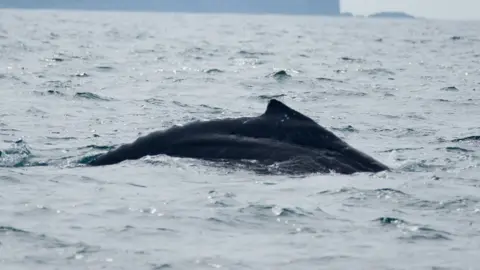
74, 84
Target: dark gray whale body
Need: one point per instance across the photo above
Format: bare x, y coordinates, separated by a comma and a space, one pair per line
280, 134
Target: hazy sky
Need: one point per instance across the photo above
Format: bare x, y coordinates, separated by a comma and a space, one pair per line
441, 9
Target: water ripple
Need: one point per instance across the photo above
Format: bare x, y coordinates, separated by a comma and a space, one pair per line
414, 232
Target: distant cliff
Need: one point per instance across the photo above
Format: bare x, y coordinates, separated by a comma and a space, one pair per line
306, 7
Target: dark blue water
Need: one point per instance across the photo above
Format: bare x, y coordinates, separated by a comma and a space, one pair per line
74, 84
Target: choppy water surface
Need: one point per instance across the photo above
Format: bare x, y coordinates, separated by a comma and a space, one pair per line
75, 84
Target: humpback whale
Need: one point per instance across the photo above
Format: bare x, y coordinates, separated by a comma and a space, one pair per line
280, 134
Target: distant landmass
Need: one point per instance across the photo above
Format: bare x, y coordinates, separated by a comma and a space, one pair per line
299, 7
347, 14
392, 14
386, 14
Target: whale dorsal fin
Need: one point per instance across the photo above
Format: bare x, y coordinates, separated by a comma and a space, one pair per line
276, 108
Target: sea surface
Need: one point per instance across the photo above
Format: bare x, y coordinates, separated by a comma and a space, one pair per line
74, 84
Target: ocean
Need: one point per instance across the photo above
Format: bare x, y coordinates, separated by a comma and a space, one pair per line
74, 84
